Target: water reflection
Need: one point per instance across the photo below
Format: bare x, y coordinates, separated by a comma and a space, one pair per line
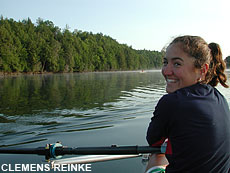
42, 105
26, 95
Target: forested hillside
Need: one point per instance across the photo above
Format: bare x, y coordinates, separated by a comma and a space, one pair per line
44, 47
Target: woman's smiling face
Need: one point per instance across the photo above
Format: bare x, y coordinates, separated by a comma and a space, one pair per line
178, 68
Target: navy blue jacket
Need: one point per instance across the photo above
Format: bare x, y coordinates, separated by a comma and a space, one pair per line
196, 121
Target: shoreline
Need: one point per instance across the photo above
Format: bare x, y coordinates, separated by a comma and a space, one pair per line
6, 74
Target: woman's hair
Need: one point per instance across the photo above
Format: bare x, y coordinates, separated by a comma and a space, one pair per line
204, 53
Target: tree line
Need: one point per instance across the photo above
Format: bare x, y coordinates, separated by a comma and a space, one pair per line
44, 47
227, 61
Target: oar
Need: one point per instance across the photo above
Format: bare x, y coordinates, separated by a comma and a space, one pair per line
94, 158
54, 150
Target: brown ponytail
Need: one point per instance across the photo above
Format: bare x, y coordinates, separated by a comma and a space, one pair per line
216, 67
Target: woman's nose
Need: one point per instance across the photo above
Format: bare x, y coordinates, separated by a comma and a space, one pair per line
167, 70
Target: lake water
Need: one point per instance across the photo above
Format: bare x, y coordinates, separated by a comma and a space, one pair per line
80, 110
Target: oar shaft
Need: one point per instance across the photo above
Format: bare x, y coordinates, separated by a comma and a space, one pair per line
107, 150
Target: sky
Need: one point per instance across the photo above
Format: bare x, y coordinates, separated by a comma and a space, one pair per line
142, 24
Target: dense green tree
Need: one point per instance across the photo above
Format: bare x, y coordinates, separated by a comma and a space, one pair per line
227, 60
43, 47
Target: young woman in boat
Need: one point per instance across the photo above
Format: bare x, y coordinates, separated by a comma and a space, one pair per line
194, 116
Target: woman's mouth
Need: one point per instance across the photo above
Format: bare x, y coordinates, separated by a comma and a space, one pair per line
171, 80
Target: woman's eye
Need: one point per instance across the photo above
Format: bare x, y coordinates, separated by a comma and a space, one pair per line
165, 63
176, 64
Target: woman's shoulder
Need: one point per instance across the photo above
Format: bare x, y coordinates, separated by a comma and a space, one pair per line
190, 92
196, 90
169, 99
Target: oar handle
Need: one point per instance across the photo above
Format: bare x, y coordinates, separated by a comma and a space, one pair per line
39, 151
48, 151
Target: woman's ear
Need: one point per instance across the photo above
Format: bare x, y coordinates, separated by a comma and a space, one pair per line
204, 70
